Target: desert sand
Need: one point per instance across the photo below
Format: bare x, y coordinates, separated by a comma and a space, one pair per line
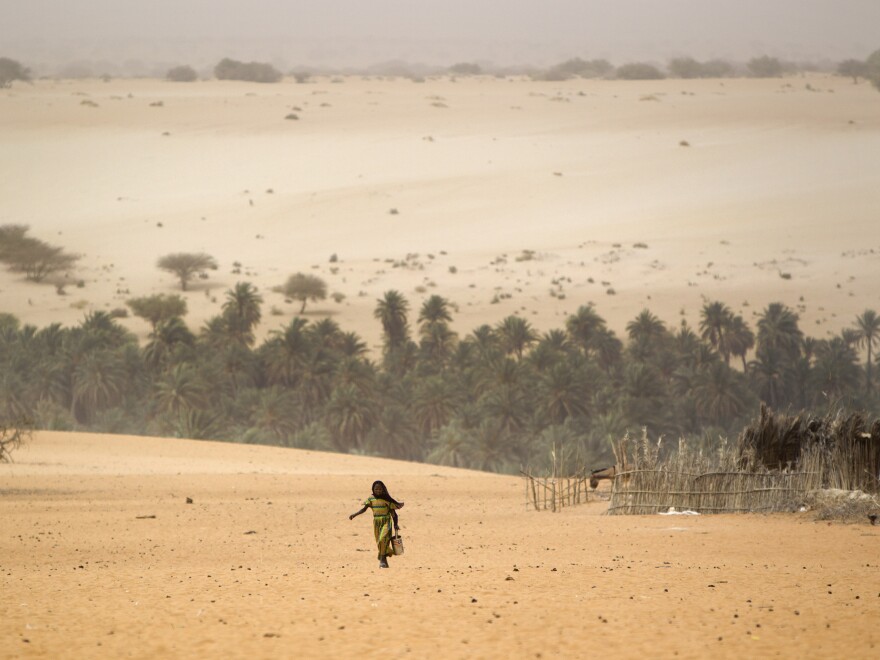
724, 185
102, 556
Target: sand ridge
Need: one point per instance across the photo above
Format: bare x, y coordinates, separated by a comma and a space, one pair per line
101, 556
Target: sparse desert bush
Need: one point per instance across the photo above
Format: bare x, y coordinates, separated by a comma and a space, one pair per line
185, 265
12, 436
764, 67
157, 308
854, 69
337, 296
304, 287
873, 68
228, 69
639, 71
182, 74
10, 71
301, 77
292, 116
575, 68
688, 68
717, 69
466, 69
31, 256
685, 67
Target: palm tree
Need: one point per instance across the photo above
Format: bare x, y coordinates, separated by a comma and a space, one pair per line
13, 404
836, 371
485, 340
771, 373
242, 312
583, 327
394, 434
645, 398
167, 336
739, 339
608, 350
214, 333
778, 330
507, 406
275, 415
98, 381
239, 366
563, 392
515, 335
104, 330
451, 446
350, 416
490, 447
327, 334
351, 345
315, 382
438, 343
435, 401
435, 310
868, 327
646, 332
715, 319
286, 351
391, 311
179, 390
357, 373
718, 395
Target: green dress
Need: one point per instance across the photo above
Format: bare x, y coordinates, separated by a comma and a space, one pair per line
382, 524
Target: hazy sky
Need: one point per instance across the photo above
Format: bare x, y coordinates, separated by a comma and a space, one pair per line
518, 29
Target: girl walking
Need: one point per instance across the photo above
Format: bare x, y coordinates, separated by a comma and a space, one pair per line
384, 514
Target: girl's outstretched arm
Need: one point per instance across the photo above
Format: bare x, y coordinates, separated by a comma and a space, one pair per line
354, 515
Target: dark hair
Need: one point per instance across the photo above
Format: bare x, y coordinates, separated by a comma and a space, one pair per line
386, 496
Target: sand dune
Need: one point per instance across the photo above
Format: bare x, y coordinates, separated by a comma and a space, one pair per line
101, 556
778, 176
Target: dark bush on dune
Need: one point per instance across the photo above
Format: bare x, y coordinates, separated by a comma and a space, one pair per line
466, 69
872, 65
182, 74
764, 67
10, 71
260, 72
639, 71
576, 68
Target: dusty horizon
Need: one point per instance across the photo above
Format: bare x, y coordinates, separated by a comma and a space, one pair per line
130, 37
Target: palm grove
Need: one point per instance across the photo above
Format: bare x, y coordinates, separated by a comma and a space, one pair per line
498, 398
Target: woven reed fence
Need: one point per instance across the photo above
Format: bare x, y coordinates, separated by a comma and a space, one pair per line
555, 493
775, 465
649, 491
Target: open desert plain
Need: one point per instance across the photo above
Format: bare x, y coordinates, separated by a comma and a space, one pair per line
506, 196
101, 555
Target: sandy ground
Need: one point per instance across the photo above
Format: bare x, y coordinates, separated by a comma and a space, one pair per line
777, 177
101, 556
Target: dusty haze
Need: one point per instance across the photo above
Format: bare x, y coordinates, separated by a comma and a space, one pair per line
346, 33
